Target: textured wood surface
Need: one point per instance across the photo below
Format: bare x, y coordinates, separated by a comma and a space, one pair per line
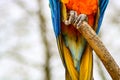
97, 45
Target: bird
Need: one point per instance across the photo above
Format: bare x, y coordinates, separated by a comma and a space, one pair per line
75, 52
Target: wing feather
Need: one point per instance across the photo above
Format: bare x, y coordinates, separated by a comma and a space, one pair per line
102, 7
55, 13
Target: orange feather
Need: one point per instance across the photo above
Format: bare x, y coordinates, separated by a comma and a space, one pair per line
88, 7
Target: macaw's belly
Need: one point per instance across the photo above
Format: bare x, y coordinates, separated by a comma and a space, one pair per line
74, 42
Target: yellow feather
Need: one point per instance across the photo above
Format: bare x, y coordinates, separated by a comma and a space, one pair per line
86, 65
64, 12
65, 1
69, 64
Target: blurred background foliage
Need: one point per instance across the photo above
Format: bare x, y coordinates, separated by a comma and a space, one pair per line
28, 49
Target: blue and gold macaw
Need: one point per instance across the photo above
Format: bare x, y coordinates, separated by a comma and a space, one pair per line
75, 52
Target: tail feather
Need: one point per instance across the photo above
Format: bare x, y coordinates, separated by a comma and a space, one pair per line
69, 64
67, 60
86, 63
67, 75
86, 66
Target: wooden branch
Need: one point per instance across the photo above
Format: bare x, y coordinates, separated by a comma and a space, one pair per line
97, 45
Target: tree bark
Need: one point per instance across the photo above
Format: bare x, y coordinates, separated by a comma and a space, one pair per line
43, 30
93, 40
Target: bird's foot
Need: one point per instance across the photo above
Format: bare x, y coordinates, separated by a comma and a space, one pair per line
75, 19
72, 15
80, 18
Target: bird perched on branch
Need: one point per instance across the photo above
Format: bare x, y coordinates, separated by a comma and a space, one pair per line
75, 52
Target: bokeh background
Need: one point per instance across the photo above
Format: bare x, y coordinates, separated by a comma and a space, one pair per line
28, 49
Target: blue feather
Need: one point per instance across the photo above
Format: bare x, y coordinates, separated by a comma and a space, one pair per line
102, 6
55, 13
